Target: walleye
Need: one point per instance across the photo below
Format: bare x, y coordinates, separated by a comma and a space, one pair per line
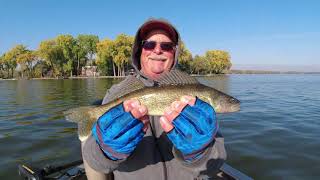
169, 87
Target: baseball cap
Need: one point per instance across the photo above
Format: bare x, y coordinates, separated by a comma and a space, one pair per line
155, 24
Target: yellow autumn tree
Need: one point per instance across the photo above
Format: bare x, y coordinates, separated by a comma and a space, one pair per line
218, 61
52, 55
121, 54
10, 58
26, 60
104, 56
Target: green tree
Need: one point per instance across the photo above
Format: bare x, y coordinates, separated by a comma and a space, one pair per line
51, 54
80, 57
185, 58
67, 44
2, 65
41, 69
117, 51
198, 65
88, 45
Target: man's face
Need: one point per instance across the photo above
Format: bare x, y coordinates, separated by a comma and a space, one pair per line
155, 61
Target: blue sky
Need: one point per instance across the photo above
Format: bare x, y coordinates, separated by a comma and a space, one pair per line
253, 32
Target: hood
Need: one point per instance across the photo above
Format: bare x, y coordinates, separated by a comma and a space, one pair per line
149, 25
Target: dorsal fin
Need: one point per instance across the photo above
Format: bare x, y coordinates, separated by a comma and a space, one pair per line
130, 84
176, 77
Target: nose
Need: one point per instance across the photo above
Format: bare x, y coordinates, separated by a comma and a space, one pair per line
157, 49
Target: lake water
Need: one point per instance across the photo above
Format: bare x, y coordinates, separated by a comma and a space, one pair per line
274, 136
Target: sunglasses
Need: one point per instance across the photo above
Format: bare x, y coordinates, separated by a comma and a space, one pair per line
165, 46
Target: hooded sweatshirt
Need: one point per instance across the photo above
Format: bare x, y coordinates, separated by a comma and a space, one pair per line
155, 157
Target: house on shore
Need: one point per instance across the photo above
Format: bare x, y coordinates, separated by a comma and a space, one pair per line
89, 71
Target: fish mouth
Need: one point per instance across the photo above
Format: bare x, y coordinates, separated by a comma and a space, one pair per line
235, 108
234, 105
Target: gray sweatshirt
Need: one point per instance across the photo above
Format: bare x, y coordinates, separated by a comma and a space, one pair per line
154, 157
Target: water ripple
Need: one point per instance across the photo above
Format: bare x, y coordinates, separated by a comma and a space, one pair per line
274, 136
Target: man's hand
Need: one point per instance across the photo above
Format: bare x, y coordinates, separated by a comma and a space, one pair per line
191, 126
121, 128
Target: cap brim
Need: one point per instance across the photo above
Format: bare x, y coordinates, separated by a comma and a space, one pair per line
158, 25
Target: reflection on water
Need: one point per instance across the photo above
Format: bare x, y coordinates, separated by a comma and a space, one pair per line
274, 136
32, 126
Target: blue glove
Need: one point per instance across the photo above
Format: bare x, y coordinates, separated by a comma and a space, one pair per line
117, 132
194, 129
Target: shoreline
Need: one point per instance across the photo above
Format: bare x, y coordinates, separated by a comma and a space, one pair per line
73, 77
232, 72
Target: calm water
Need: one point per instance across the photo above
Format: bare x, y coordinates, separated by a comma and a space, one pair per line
274, 136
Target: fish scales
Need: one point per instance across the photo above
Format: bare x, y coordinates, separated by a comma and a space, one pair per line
156, 99
169, 88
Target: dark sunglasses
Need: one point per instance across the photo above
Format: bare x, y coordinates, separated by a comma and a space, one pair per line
165, 46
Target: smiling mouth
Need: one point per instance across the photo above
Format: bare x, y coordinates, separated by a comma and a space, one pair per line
157, 59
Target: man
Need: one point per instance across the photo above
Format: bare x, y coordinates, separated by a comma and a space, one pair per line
131, 145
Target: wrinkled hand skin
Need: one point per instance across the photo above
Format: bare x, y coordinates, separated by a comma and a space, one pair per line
174, 110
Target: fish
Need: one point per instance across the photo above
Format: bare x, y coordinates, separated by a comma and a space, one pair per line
167, 89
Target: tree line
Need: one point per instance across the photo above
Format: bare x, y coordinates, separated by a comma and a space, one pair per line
65, 55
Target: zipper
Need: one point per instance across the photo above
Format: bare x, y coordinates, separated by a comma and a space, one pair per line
164, 166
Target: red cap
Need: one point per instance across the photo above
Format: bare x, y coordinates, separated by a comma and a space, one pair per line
154, 24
